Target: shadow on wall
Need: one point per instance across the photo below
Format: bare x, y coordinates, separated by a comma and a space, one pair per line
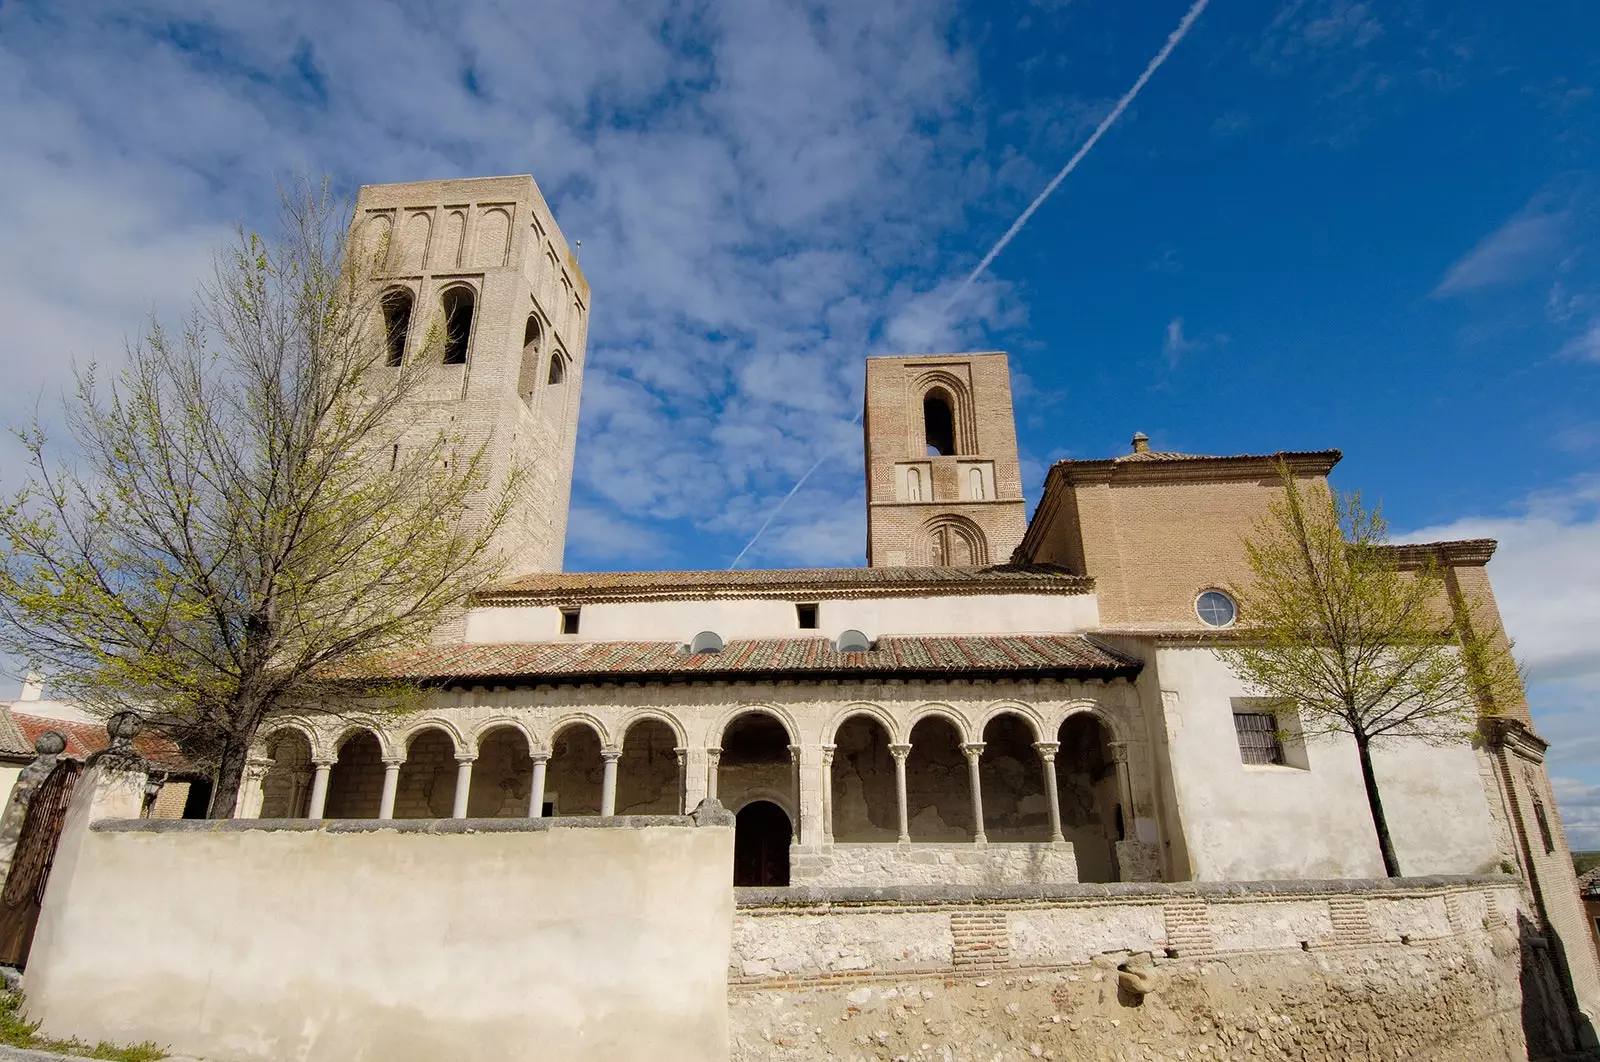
1548, 1009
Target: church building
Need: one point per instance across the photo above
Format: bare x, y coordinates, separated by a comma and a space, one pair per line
993, 700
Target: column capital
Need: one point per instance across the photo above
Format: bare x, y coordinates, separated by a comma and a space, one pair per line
611, 755
393, 761
900, 751
540, 756
682, 752
323, 764
1047, 749
1119, 751
714, 752
827, 754
973, 749
466, 757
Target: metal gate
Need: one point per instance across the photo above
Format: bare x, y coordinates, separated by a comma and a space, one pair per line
30, 866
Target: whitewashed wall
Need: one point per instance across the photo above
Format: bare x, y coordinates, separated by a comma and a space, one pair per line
1256, 822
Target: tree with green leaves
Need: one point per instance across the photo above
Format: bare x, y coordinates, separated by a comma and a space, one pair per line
249, 507
1337, 629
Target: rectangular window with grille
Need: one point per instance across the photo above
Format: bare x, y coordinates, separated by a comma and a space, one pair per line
1258, 738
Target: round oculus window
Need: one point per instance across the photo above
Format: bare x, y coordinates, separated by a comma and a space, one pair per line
1215, 608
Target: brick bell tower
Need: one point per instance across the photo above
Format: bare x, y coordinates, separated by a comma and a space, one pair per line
484, 260
944, 486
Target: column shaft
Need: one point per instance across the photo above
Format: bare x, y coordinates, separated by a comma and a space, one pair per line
900, 753
973, 751
827, 794
713, 757
463, 788
683, 779
1047, 759
1119, 756
391, 786
319, 790
541, 760
608, 783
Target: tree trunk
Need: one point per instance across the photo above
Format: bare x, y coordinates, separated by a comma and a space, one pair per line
230, 775
1391, 865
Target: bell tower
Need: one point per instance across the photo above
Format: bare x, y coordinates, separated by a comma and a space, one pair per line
944, 486
483, 261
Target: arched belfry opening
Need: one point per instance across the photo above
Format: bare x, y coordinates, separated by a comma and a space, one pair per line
396, 324
939, 423
558, 371
532, 344
458, 305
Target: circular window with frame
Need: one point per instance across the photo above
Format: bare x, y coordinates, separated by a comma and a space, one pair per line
1216, 609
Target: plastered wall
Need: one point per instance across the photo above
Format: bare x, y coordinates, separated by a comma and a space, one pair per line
391, 945
1246, 822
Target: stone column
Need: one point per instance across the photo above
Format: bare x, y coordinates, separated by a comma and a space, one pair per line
1119, 756
683, 779
252, 789
973, 750
803, 808
463, 784
1047, 758
713, 757
319, 788
900, 752
608, 782
391, 786
541, 760
827, 794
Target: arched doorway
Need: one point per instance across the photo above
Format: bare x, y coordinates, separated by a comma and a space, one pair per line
761, 835
1086, 780
756, 761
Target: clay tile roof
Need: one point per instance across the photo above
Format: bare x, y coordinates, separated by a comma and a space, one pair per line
85, 739
1160, 455
13, 742
566, 662
801, 583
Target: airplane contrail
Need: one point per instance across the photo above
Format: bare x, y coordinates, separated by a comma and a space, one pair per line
1173, 39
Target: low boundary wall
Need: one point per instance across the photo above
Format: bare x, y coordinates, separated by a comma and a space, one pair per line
394, 941
1403, 968
924, 863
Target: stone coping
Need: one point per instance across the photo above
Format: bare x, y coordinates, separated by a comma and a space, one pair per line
429, 826
850, 895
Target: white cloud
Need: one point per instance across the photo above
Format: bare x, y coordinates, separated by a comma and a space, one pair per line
766, 191
1174, 346
1514, 252
1546, 576
1584, 347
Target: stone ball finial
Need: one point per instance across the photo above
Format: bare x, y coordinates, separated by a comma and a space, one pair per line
50, 743
122, 727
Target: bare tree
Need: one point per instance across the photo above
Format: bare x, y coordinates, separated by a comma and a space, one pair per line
249, 510
1336, 629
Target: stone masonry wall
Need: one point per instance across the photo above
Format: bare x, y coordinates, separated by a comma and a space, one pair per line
936, 864
1408, 969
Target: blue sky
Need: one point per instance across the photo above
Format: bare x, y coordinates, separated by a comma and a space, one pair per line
1323, 223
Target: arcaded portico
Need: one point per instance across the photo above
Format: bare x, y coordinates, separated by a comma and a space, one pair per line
811, 777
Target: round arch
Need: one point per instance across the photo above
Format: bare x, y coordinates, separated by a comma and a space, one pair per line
421, 726
566, 722
1028, 715
648, 715
949, 539
355, 727
870, 711
940, 711
476, 736
784, 719
1114, 726
261, 744
771, 796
